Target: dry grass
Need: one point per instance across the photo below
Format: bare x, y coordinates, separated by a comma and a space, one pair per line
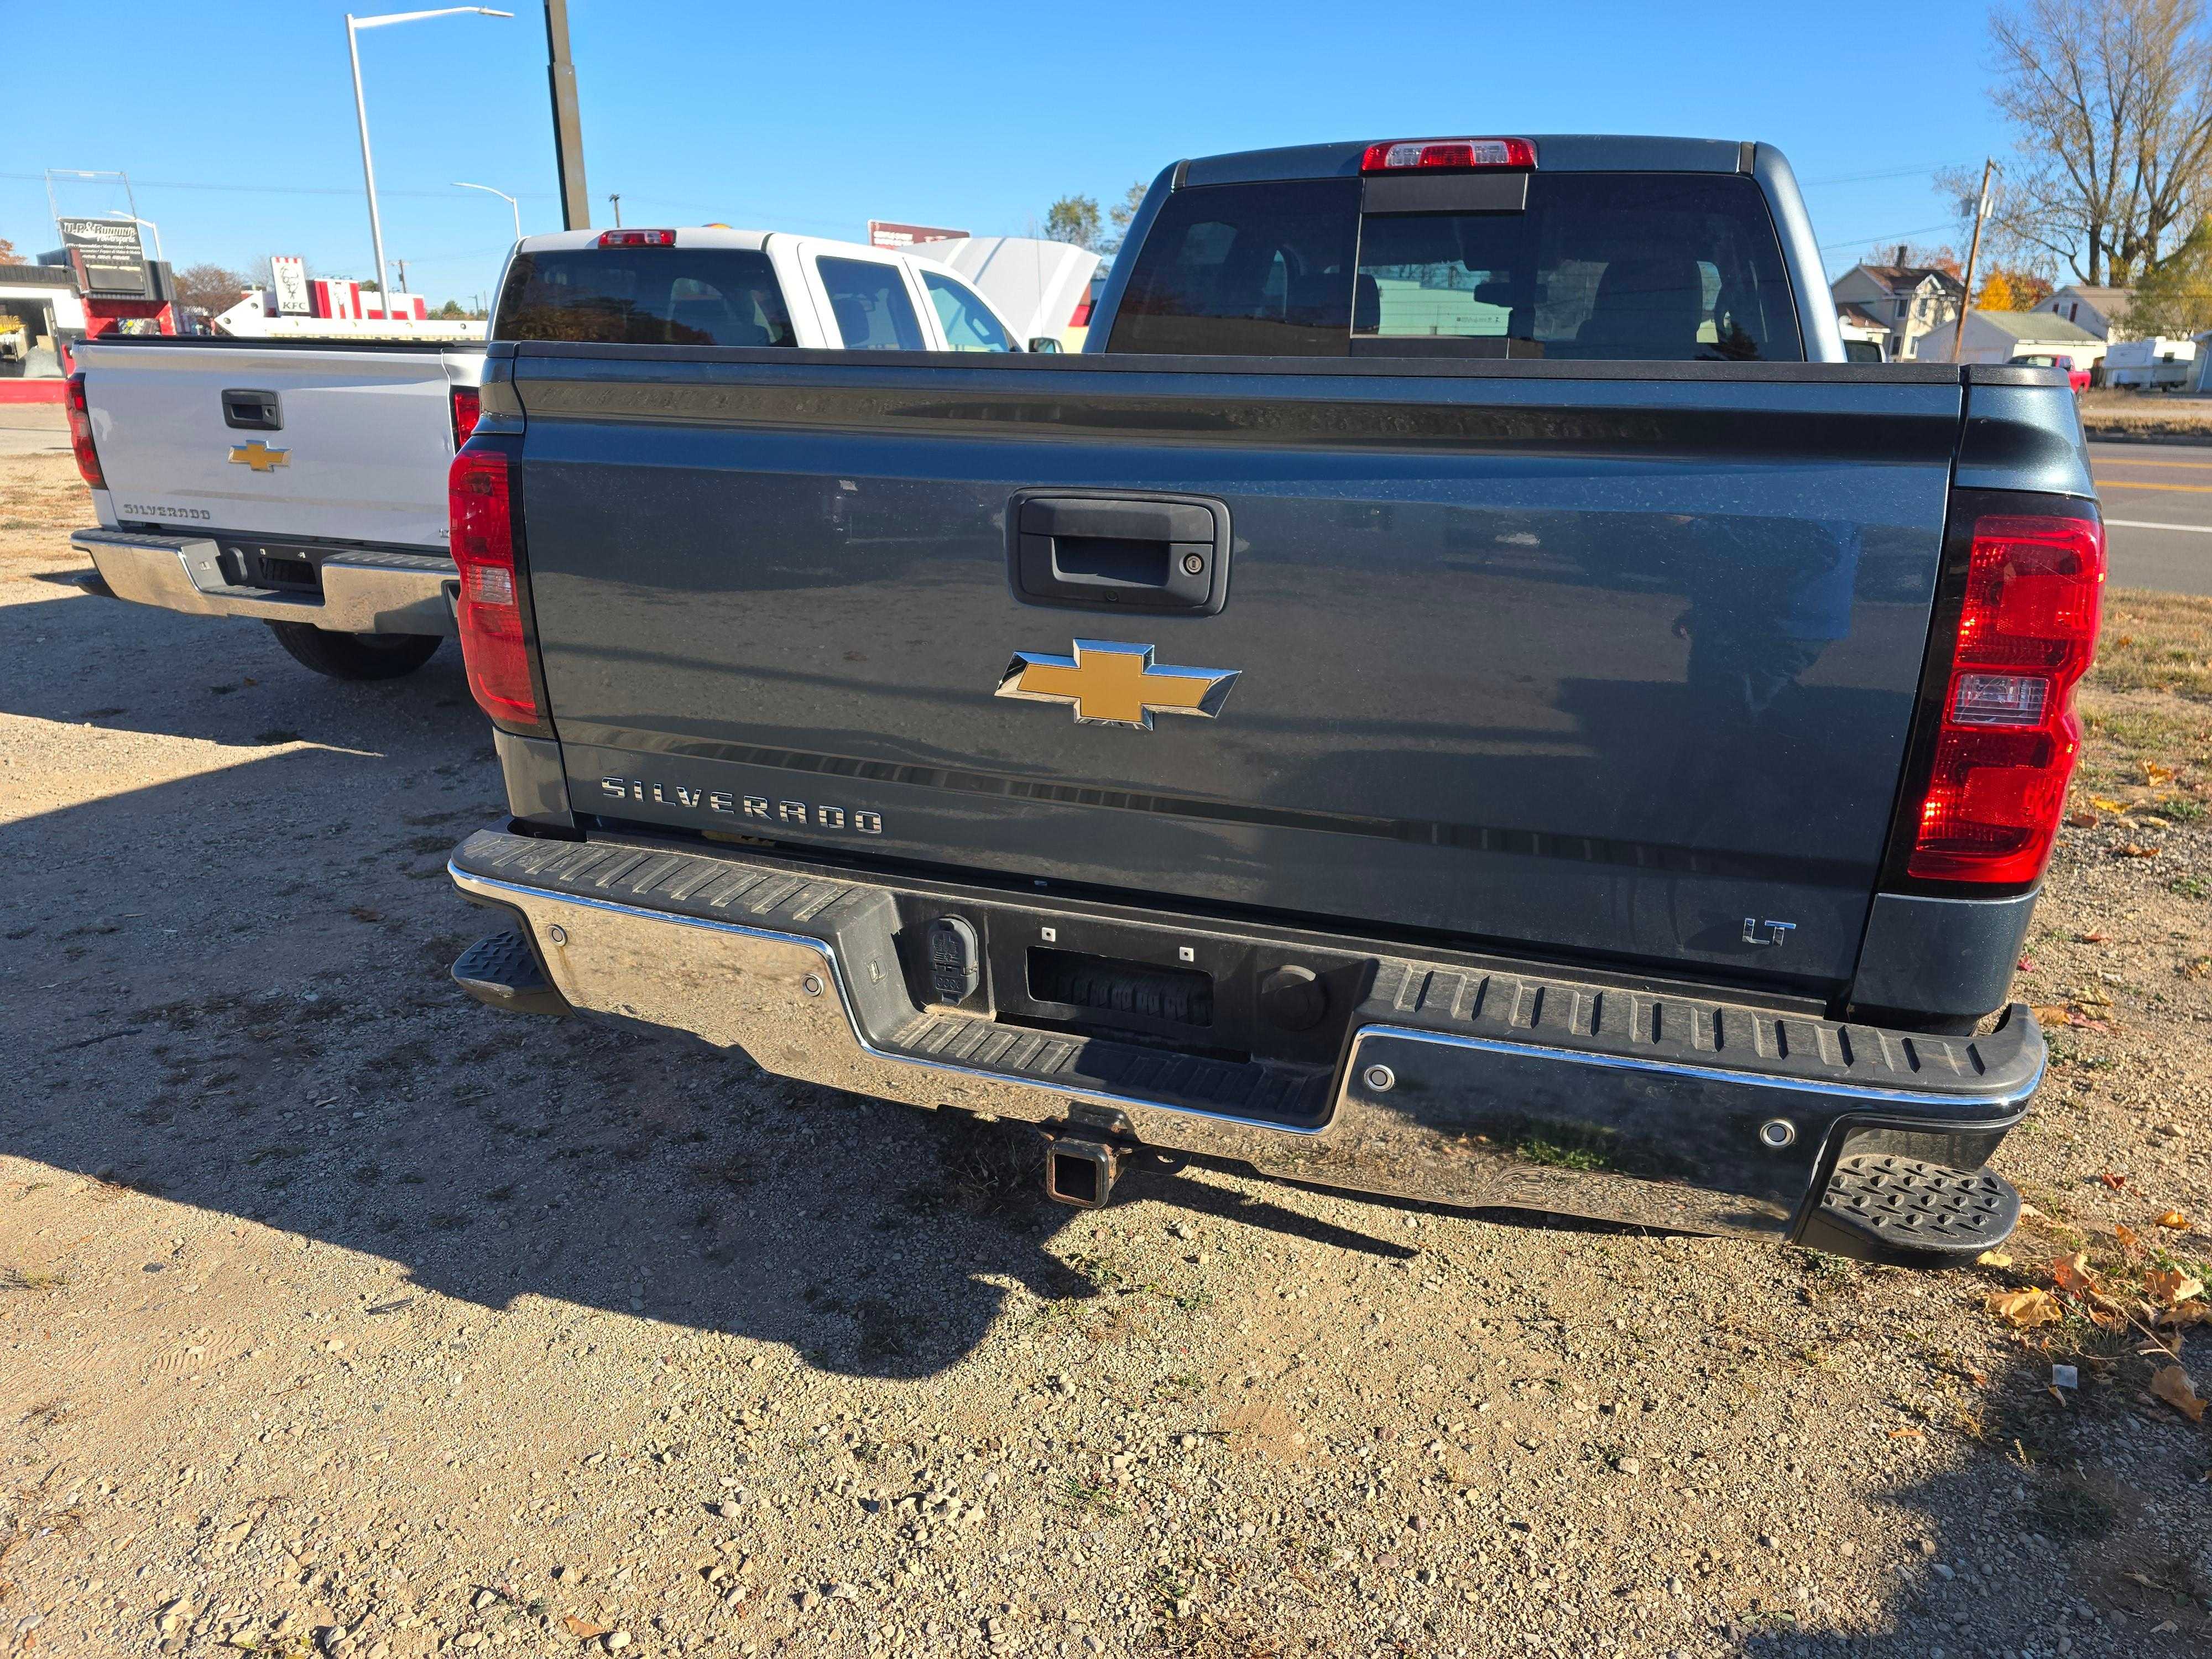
2147, 709
41, 501
2155, 642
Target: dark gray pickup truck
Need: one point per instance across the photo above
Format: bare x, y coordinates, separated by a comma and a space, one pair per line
1460, 694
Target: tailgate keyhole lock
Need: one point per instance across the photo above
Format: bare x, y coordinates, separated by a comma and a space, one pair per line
1193, 564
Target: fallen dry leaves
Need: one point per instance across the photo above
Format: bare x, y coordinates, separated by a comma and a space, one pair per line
582, 1629
2071, 1273
2174, 1220
2025, 1309
2171, 1383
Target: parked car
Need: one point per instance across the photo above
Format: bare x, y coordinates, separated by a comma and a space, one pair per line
1411, 709
2076, 378
302, 482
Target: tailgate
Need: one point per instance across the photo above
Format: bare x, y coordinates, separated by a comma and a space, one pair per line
360, 452
1585, 663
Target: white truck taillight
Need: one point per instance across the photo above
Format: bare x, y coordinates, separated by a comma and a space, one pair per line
1407, 155
79, 428
467, 403
2008, 737
486, 539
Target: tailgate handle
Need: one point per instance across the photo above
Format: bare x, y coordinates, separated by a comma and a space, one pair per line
253, 411
1100, 551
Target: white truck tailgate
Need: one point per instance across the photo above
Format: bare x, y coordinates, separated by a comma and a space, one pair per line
363, 438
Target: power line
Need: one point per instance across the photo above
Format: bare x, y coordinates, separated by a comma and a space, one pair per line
1877, 239
1866, 178
280, 190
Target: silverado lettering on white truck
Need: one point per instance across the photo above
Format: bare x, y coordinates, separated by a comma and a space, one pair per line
1648, 733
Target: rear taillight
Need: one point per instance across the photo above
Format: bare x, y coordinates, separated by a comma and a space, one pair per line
468, 404
637, 239
2007, 740
1402, 155
480, 498
80, 426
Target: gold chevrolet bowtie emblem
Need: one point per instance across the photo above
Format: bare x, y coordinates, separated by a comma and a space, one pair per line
1112, 685
259, 456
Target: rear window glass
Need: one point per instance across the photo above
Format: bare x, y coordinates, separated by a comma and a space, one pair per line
871, 305
1665, 267
644, 296
1245, 271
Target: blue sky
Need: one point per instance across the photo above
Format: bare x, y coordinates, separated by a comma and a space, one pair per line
236, 123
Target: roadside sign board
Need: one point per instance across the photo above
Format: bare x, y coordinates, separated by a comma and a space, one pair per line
288, 280
109, 256
886, 233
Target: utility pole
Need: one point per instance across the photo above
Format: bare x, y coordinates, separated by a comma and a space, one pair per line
1973, 253
402, 264
614, 198
568, 121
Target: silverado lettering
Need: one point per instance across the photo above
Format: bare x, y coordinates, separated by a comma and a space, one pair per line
750, 806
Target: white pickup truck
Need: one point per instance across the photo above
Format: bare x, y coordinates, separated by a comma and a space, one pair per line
302, 482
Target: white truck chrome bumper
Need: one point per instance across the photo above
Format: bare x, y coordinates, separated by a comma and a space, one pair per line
364, 592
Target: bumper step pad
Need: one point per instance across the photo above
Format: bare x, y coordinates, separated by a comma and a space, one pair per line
1883, 1208
500, 971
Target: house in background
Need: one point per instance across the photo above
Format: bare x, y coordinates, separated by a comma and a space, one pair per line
2102, 311
1907, 301
2004, 336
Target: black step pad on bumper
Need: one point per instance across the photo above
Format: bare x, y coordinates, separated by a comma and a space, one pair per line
1900, 1209
500, 971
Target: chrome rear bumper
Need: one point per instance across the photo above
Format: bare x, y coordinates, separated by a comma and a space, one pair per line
364, 592
1453, 1085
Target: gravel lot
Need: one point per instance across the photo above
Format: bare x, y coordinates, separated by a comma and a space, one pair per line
338, 1315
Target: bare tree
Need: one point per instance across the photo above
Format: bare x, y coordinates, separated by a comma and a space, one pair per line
2111, 102
213, 289
1918, 256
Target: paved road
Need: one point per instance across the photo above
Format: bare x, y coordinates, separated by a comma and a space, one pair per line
2158, 514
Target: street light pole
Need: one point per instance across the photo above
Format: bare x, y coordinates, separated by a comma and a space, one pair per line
353, 26
503, 197
568, 123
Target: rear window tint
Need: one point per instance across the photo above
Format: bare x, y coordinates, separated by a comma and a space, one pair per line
644, 296
1245, 271
1670, 267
